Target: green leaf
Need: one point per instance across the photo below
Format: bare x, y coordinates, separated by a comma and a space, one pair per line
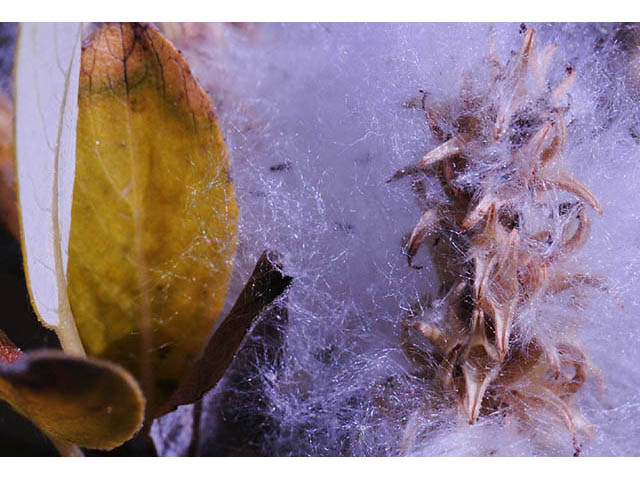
88, 402
153, 227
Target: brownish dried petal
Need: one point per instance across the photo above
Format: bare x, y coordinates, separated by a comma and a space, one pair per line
426, 225
564, 181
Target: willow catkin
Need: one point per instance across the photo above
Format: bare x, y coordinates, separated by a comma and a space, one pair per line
500, 165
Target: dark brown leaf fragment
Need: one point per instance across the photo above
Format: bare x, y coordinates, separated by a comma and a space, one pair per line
267, 282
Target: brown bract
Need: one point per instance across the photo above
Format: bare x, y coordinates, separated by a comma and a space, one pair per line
511, 237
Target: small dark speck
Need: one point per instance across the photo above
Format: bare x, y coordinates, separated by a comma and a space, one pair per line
523, 27
281, 167
325, 355
566, 207
344, 227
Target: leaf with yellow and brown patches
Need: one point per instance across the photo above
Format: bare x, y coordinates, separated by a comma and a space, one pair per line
153, 227
88, 402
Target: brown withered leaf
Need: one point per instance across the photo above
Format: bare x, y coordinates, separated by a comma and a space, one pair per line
267, 282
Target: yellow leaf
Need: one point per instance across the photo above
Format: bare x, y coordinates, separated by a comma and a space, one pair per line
153, 227
91, 403
54, 390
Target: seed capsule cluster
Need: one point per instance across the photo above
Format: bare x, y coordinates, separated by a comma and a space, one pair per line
512, 219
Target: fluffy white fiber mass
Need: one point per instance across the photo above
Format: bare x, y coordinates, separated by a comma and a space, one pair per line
317, 118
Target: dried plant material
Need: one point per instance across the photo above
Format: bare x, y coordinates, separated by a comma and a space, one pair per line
9, 353
46, 76
91, 403
427, 224
513, 238
153, 228
267, 282
186, 34
8, 201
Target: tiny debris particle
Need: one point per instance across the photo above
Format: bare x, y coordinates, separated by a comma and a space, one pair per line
344, 227
281, 167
